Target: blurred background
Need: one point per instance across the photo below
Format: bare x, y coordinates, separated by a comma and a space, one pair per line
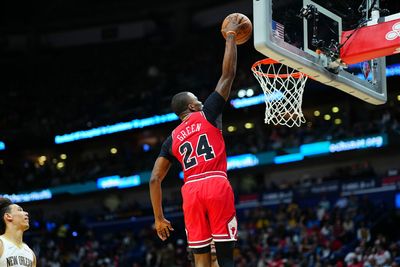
84, 109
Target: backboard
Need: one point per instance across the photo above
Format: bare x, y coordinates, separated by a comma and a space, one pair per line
306, 35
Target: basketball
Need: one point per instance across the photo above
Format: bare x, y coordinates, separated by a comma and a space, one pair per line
245, 27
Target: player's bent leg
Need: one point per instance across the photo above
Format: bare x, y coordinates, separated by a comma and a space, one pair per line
225, 253
202, 256
214, 260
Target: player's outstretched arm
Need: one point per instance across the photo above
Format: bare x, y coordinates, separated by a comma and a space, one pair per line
229, 62
230, 58
160, 170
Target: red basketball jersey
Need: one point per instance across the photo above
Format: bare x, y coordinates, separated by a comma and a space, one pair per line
199, 146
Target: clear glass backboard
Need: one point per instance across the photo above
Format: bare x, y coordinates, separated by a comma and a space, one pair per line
306, 35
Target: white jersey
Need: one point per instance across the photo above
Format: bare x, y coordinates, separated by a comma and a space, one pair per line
14, 255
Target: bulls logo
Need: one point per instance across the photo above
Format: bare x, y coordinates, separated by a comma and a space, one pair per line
392, 35
232, 227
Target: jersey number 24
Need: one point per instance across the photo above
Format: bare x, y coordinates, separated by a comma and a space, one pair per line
203, 148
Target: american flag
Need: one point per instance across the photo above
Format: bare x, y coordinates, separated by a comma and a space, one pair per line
278, 30
366, 69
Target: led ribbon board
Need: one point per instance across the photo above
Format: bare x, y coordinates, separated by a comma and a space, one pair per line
118, 127
29, 197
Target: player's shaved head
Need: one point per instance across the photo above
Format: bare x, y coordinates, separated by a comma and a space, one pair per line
5, 204
180, 102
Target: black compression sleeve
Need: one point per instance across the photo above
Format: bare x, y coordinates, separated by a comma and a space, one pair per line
166, 149
213, 107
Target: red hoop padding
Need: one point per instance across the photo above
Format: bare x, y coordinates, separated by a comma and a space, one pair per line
270, 61
358, 47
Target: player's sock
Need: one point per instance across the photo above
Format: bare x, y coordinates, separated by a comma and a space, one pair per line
225, 253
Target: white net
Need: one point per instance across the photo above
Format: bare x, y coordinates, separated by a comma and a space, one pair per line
283, 89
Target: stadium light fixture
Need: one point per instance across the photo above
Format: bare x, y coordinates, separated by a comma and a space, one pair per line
249, 125
327, 117
241, 93
335, 109
231, 128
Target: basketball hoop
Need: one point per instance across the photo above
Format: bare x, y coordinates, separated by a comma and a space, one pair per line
283, 89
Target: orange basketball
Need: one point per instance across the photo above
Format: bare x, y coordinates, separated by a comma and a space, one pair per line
244, 30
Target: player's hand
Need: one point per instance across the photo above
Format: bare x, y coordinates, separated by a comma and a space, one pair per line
234, 24
163, 228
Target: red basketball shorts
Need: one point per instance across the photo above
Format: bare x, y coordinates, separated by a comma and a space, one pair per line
209, 209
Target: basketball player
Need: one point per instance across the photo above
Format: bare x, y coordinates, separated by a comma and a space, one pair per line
197, 143
14, 222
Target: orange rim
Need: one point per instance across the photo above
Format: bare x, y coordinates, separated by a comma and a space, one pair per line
270, 61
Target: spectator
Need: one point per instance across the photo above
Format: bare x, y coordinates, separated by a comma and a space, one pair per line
382, 256
354, 259
363, 233
342, 202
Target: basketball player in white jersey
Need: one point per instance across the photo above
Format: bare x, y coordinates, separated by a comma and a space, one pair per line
14, 221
